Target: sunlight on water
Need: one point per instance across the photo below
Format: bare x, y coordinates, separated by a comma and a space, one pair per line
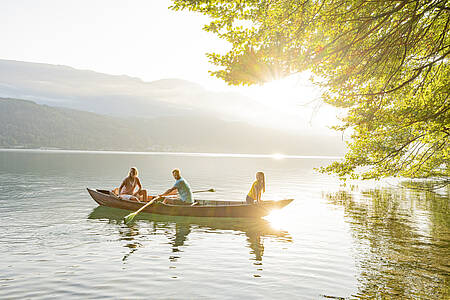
291, 217
183, 154
371, 241
279, 220
278, 156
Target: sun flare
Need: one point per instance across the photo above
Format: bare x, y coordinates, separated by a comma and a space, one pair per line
291, 103
278, 156
280, 221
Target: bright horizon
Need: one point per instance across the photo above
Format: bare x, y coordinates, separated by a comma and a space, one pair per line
145, 39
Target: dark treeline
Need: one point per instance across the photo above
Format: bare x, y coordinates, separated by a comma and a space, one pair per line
25, 124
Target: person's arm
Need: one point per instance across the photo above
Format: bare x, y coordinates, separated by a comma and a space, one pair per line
121, 186
138, 183
168, 192
172, 190
258, 193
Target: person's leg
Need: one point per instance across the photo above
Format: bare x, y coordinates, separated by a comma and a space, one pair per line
129, 197
145, 195
142, 195
249, 200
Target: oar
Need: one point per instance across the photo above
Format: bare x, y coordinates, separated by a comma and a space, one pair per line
130, 217
210, 190
202, 191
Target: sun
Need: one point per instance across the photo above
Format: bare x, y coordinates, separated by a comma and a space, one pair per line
284, 92
292, 103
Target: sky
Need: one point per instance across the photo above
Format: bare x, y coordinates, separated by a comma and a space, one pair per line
144, 39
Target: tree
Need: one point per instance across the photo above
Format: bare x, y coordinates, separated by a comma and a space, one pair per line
385, 62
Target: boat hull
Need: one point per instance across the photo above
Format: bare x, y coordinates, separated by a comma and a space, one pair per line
238, 210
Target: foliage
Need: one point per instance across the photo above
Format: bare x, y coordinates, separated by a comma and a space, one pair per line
385, 62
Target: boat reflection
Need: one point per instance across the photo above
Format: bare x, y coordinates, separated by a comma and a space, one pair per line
177, 230
128, 235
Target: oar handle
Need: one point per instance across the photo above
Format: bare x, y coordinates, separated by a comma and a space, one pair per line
148, 204
210, 190
194, 192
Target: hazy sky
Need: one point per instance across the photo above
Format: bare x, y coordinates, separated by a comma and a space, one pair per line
139, 38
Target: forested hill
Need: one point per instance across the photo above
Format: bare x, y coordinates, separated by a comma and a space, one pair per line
25, 124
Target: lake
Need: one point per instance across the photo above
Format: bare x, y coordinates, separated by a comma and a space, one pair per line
360, 240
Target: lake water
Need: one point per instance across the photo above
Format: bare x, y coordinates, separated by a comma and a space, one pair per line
366, 240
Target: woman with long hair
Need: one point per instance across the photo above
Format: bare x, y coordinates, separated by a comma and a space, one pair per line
258, 187
127, 189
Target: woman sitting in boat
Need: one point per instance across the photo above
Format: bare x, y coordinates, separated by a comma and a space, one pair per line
127, 188
258, 187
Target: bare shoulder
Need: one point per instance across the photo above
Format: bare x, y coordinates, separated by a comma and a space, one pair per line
124, 180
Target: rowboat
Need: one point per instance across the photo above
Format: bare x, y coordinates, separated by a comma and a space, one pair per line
205, 208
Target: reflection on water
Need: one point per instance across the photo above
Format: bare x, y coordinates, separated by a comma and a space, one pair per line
368, 243
181, 232
128, 235
177, 229
403, 241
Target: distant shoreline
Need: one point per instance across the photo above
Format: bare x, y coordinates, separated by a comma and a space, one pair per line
199, 154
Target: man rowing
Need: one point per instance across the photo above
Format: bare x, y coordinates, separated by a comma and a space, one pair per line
183, 188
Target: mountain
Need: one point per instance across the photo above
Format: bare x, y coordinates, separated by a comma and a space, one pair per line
81, 109
26, 124
123, 96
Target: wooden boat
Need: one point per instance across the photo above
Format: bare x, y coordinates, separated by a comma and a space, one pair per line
206, 208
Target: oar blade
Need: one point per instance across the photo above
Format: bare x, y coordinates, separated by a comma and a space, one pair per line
129, 218
205, 191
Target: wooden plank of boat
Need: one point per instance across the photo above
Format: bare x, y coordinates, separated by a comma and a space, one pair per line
207, 208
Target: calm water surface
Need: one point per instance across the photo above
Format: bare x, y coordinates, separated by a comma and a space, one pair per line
356, 241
